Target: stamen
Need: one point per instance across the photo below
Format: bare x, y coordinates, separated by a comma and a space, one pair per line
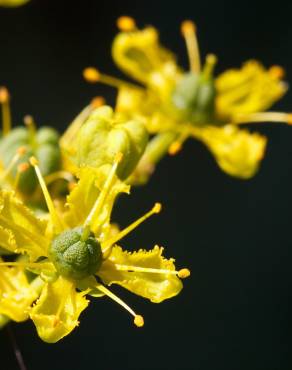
177, 145
98, 101
53, 213
6, 113
22, 167
277, 72
92, 75
31, 126
264, 117
183, 273
108, 243
104, 192
126, 23
138, 319
211, 61
19, 153
41, 265
188, 30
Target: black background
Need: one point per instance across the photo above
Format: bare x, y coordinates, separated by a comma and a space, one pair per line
235, 236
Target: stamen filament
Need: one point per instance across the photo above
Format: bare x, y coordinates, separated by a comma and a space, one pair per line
108, 243
53, 213
181, 273
188, 30
138, 319
22, 167
264, 117
92, 75
31, 126
6, 113
20, 151
211, 61
41, 265
104, 192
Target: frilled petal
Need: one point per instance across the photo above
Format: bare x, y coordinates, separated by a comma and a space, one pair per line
20, 230
249, 89
155, 286
83, 197
140, 55
236, 151
56, 312
16, 294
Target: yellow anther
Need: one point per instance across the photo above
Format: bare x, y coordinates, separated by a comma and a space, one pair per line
118, 157
289, 118
277, 72
28, 120
72, 185
21, 150
174, 148
126, 23
22, 167
91, 74
157, 208
33, 161
4, 95
188, 26
183, 273
211, 59
139, 321
98, 101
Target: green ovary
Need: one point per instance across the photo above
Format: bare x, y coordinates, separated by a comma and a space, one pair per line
74, 257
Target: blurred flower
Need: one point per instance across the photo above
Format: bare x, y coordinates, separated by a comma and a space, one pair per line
13, 3
175, 104
70, 248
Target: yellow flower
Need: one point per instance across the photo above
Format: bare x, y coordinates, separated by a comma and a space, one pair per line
68, 250
175, 104
13, 3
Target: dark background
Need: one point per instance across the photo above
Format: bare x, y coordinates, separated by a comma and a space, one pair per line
235, 236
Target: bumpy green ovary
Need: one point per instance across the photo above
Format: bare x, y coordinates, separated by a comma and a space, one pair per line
194, 99
103, 136
43, 145
74, 257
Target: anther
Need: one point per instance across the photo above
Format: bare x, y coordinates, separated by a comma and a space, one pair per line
157, 208
277, 72
126, 23
183, 273
21, 150
139, 321
188, 26
97, 102
4, 95
174, 148
91, 74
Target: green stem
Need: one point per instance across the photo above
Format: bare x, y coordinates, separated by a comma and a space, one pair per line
158, 146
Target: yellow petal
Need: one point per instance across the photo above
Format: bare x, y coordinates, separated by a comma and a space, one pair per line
20, 230
156, 287
236, 151
139, 54
83, 197
56, 312
247, 90
16, 294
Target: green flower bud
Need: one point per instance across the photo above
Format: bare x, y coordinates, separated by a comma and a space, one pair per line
103, 136
43, 145
74, 257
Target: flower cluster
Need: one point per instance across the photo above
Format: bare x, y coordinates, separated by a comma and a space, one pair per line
175, 104
64, 243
